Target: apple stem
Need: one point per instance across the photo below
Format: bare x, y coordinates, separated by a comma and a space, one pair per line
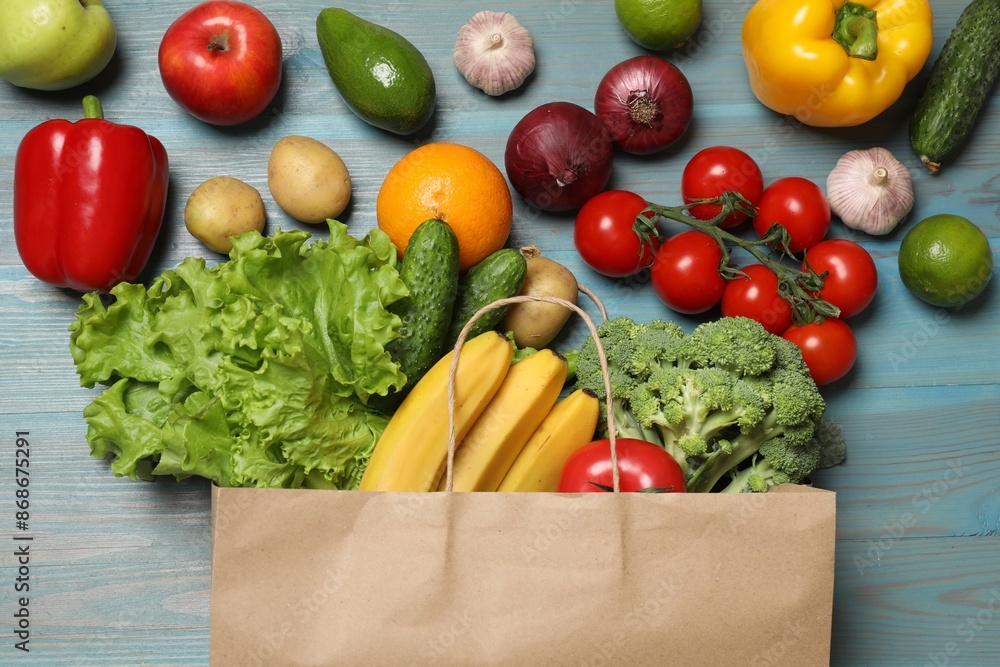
92, 107
219, 43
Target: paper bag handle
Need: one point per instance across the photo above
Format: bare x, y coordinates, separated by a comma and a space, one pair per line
452, 444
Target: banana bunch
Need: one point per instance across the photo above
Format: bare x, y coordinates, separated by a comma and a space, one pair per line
513, 433
568, 426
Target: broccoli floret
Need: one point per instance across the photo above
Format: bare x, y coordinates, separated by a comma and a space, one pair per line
788, 355
737, 344
796, 461
756, 478
830, 440
754, 398
780, 463
725, 395
663, 343
795, 398
618, 338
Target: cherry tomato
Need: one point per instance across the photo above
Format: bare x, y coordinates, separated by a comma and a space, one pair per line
642, 466
719, 169
828, 348
800, 206
853, 278
605, 236
755, 295
685, 274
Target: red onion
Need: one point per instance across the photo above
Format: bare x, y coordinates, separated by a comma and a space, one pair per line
646, 104
558, 156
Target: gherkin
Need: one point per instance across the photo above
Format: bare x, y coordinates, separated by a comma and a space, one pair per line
959, 83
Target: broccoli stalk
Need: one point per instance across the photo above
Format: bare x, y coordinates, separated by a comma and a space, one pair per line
721, 400
756, 478
781, 464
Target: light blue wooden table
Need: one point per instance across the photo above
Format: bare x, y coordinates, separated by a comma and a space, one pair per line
120, 570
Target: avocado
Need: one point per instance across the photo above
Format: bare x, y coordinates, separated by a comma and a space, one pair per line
382, 77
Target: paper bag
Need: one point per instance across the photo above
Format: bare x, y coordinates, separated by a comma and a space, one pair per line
321, 578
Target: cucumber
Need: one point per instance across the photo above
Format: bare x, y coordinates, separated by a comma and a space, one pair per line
959, 82
429, 269
499, 276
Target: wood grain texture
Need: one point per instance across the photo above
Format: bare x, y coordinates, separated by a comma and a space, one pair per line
121, 569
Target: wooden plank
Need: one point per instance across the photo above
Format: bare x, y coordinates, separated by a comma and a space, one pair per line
946, 482
925, 457
108, 613
123, 567
901, 601
902, 341
925, 602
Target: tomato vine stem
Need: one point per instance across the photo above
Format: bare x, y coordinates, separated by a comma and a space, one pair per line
799, 287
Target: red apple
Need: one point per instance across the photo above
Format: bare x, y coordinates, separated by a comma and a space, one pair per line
221, 61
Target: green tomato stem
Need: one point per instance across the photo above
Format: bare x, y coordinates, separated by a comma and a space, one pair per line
798, 287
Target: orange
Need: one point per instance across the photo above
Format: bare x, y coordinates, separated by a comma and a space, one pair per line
453, 183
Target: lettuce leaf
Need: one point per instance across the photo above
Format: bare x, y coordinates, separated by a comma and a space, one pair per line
253, 372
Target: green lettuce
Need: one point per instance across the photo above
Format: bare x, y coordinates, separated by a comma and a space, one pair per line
253, 372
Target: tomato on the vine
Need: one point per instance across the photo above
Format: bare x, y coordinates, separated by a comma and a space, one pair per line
606, 237
852, 279
829, 348
719, 169
754, 294
686, 275
642, 466
798, 205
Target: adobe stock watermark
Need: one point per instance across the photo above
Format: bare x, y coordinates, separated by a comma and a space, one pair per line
558, 526
923, 501
776, 652
927, 330
440, 645
967, 630
273, 640
563, 10
642, 614
930, 327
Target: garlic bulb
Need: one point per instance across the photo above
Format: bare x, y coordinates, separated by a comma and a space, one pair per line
870, 190
494, 52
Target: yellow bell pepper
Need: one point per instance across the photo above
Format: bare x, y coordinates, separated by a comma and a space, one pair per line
832, 63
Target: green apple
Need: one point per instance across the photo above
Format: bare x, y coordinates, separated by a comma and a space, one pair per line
54, 44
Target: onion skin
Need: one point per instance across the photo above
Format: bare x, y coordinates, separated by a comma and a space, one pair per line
558, 156
646, 104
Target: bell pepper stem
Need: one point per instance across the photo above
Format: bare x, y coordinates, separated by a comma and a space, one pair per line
92, 107
856, 29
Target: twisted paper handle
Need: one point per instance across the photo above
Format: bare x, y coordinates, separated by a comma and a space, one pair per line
452, 444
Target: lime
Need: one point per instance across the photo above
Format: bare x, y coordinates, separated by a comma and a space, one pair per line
659, 25
945, 260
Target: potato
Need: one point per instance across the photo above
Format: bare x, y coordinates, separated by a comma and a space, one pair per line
308, 180
223, 207
536, 323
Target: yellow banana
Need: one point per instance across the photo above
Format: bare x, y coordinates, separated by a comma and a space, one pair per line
569, 426
410, 455
526, 396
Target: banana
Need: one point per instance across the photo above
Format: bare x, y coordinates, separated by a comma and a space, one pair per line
526, 396
410, 455
568, 426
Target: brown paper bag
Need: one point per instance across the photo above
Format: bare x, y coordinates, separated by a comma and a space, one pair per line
325, 578
321, 578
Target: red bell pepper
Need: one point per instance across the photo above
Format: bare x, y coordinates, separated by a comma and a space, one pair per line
89, 199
